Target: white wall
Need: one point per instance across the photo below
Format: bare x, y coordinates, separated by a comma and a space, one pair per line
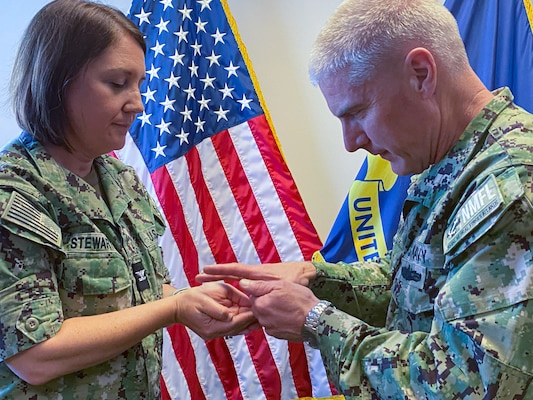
278, 35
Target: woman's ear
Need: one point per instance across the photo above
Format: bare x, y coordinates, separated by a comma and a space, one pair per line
421, 70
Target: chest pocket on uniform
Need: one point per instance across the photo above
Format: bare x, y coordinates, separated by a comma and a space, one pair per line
419, 278
94, 270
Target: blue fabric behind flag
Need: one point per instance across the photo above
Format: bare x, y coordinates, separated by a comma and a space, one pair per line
499, 42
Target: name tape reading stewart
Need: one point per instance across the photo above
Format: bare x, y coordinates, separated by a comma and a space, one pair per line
89, 242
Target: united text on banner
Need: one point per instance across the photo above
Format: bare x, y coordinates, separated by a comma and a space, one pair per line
369, 216
205, 148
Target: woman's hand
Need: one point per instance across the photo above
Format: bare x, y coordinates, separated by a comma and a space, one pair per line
215, 309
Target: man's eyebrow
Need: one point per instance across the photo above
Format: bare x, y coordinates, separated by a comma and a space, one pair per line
350, 108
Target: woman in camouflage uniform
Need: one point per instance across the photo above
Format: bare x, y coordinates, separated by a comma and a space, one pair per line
84, 292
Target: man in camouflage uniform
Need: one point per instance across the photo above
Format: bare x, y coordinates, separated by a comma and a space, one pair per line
448, 313
459, 321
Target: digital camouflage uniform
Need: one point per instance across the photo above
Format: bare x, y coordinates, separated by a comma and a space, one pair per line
63, 254
459, 321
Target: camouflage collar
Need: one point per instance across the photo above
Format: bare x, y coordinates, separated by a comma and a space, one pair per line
429, 185
75, 188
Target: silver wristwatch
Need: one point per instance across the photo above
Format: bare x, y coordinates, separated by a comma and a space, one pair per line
310, 328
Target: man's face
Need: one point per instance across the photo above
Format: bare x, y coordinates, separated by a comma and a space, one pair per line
384, 116
103, 99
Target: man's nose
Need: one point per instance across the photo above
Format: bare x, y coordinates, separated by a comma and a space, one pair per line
355, 138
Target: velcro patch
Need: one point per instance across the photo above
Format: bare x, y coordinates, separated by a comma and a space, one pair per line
21, 212
477, 208
90, 241
149, 237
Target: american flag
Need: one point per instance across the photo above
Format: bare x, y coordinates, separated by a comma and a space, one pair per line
205, 149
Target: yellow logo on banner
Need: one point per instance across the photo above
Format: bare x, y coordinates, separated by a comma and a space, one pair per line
529, 11
365, 214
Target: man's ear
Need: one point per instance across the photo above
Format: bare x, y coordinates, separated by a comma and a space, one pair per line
421, 70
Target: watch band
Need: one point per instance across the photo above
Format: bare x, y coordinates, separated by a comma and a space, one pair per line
310, 328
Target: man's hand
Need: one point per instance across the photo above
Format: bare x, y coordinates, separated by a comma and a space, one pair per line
280, 306
297, 272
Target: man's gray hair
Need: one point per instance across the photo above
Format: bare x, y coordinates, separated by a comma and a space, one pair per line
362, 35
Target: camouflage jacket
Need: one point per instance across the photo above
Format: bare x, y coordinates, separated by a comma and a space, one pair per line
447, 314
66, 252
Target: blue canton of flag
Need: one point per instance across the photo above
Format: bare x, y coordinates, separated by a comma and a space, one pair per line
189, 96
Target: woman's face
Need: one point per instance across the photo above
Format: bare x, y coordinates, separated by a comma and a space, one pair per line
103, 99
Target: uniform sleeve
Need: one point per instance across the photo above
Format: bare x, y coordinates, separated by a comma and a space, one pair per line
360, 289
30, 308
481, 336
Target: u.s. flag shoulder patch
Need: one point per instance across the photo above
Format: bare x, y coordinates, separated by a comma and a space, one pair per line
24, 214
